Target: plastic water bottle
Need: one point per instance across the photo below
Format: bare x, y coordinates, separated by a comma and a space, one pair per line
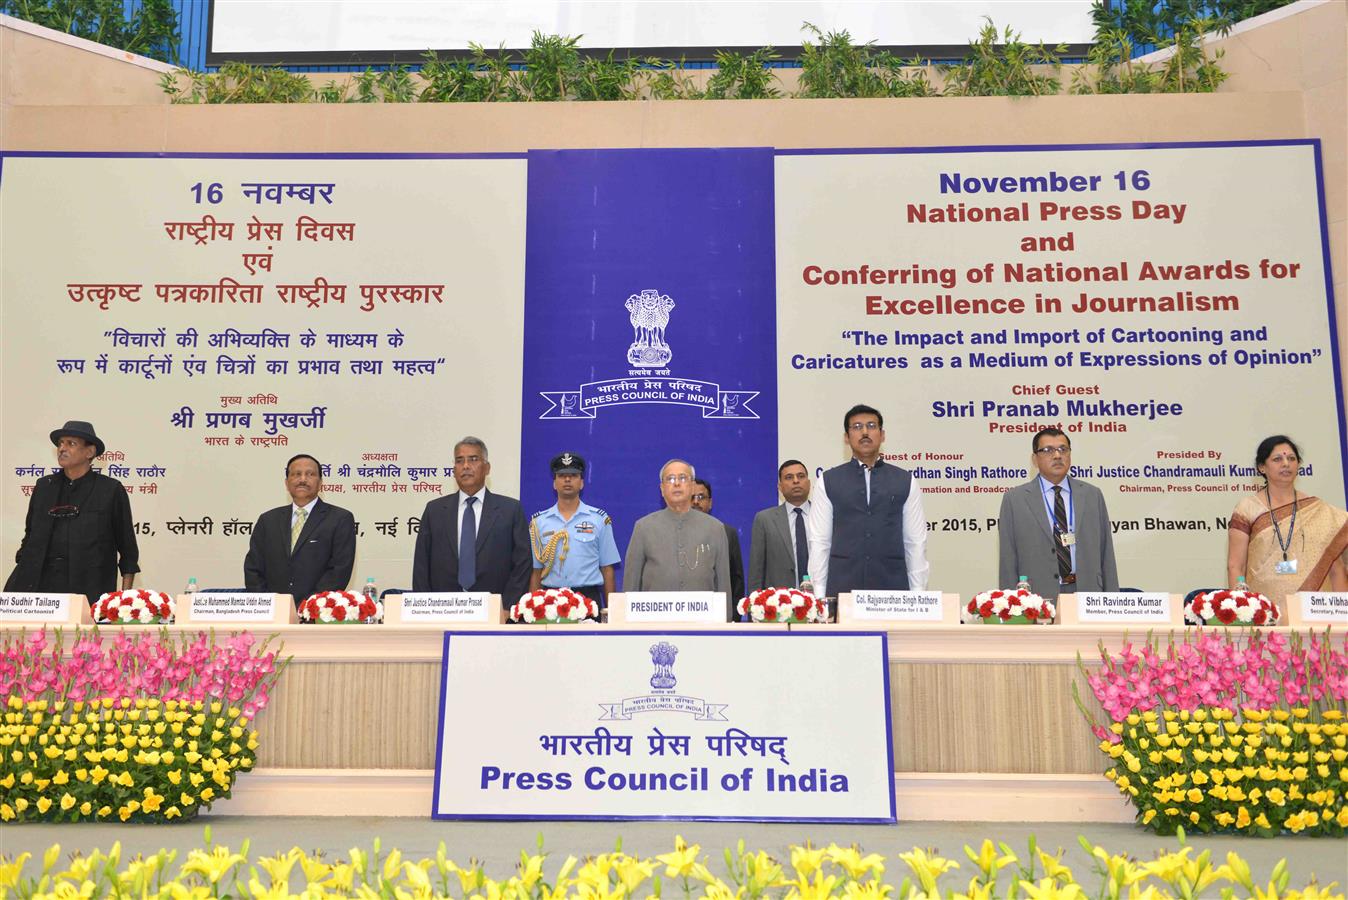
1240, 583
807, 585
191, 586
371, 593
1023, 584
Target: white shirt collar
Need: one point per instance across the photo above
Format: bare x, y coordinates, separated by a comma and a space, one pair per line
308, 509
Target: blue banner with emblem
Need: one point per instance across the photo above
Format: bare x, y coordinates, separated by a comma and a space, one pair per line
650, 327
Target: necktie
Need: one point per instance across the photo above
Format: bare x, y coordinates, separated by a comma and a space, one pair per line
297, 527
468, 548
1064, 554
802, 548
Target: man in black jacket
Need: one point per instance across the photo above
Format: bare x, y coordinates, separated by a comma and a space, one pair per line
702, 502
78, 531
473, 540
303, 547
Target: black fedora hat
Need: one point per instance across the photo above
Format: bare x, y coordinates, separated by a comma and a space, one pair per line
82, 430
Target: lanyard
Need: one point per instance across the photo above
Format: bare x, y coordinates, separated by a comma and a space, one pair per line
1067, 501
1291, 525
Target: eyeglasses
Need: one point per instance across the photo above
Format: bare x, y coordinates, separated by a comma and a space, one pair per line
698, 498
1054, 451
64, 512
676, 479
467, 460
858, 427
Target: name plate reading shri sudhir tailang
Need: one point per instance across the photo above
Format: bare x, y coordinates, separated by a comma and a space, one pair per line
36, 608
896, 606
1120, 607
205, 606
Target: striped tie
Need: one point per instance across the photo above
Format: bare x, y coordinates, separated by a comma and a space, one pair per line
297, 527
1063, 552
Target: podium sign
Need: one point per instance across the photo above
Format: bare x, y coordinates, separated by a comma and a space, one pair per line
443, 608
1118, 608
665, 724
226, 606
24, 608
668, 607
1317, 608
896, 606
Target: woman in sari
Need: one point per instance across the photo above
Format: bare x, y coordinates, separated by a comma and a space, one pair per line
1281, 540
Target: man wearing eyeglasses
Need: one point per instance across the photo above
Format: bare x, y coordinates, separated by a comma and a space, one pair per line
473, 540
867, 529
678, 548
1055, 529
702, 501
79, 531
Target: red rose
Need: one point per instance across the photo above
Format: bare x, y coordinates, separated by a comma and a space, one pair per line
1031, 613
1259, 617
802, 613
1242, 601
986, 609
973, 607
339, 613
1226, 616
995, 595
1005, 614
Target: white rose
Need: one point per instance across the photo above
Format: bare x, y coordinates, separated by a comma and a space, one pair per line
1245, 613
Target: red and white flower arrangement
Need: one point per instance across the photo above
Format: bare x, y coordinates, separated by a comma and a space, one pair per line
341, 608
1017, 606
1231, 608
553, 605
782, 605
134, 608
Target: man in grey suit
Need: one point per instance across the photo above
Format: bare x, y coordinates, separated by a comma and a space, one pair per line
473, 540
779, 553
1055, 530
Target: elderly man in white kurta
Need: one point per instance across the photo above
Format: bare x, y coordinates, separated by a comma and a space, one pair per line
678, 548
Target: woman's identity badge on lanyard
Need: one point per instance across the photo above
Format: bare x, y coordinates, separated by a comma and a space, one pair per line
1284, 566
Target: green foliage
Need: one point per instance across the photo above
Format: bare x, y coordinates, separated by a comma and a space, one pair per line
151, 29
1178, 25
555, 68
836, 67
743, 77
1006, 69
239, 83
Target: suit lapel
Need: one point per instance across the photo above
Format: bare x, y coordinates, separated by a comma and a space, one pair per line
1034, 500
782, 519
452, 510
484, 520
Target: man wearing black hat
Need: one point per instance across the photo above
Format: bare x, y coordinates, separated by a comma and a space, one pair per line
78, 531
572, 542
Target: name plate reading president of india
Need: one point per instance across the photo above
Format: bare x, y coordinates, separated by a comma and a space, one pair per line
664, 724
673, 607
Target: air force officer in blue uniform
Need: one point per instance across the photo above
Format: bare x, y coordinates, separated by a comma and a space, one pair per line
572, 542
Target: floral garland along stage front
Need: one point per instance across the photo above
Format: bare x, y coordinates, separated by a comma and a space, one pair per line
993, 870
341, 608
1018, 606
138, 727
1226, 731
1231, 608
554, 606
782, 605
134, 607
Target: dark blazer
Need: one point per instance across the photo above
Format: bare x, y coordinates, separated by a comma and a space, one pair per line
1026, 540
323, 559
772, 561
504, 557
99, 535
732, 538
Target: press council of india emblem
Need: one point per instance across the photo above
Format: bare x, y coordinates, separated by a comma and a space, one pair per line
662, 654
649, 378
649, 313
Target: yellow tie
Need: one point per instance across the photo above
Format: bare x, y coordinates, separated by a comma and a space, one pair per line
295, 529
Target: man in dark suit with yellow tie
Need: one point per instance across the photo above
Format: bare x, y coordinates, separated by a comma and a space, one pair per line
473, 540
306, 546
